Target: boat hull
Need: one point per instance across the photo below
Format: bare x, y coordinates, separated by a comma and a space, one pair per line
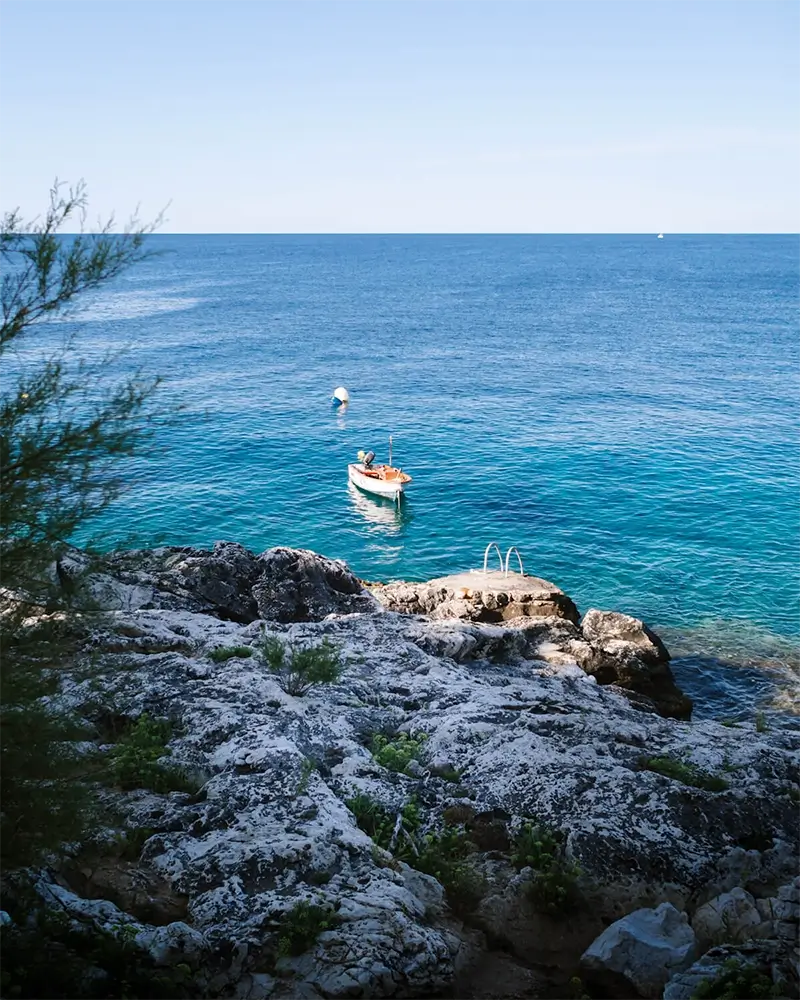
380, 487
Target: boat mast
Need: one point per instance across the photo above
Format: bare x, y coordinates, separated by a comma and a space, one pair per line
390, 449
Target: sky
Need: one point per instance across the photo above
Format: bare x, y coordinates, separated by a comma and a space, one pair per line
398, 116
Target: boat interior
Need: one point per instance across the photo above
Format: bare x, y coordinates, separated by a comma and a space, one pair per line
388, 473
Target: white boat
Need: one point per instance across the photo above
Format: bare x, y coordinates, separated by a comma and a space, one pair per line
385, 480
661, 236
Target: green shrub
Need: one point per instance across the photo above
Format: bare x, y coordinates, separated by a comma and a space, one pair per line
536, 846
298, 668
688, 774
761, 722
577, 991
737, 981
380, 824
302, 925
223, 653
135, 762
397, 754
553, 887
555, 890
446, 856
85, 962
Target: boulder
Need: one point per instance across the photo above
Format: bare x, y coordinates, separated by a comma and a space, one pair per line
624, 651
642, 950
786, 904
230, 583
730, 918
616, 632
296, 585
217, 582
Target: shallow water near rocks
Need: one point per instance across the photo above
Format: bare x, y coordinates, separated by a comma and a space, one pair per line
620, 408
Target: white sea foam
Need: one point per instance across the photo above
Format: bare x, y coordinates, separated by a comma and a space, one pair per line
129, 305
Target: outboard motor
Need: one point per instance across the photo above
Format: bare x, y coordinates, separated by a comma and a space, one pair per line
369, 458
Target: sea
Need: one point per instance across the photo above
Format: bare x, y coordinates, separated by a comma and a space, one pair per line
621, 409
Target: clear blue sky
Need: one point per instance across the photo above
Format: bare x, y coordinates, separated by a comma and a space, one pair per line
412, 116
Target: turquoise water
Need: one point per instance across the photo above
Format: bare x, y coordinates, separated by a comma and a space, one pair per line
621, 408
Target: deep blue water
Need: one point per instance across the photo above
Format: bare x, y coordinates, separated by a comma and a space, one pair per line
621, 408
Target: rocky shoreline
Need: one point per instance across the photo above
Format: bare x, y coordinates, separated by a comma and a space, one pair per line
586, 829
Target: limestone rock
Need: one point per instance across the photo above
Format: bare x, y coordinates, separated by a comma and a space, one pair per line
624, 651
513, 727
173, 943
730, 918
762, 957
612, 630
479, 597
231, 583
217, 582
644, 950
296, 585
612, 647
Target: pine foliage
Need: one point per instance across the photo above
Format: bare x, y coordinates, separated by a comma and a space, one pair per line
64, 424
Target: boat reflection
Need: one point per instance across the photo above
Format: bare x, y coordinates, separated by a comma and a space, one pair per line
385, 514
340, 412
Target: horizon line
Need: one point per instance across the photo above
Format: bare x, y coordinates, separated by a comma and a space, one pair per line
649, 233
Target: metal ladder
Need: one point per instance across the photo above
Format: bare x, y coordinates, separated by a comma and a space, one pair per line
503, 565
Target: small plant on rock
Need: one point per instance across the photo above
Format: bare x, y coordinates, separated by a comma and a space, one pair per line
298, 668
536, 846
393, 831
307, 768
687, 773
396, 754
302, 925
555, 890
577, 991
553, 887
223, 653
135, 762
737, 981
447, 856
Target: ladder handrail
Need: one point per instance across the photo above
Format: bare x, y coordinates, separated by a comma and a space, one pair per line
519, 559
486, 556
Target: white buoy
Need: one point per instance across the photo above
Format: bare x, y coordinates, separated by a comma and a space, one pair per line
340, 395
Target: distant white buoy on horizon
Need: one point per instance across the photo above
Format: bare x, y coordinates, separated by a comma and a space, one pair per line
661, 236
340, 395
